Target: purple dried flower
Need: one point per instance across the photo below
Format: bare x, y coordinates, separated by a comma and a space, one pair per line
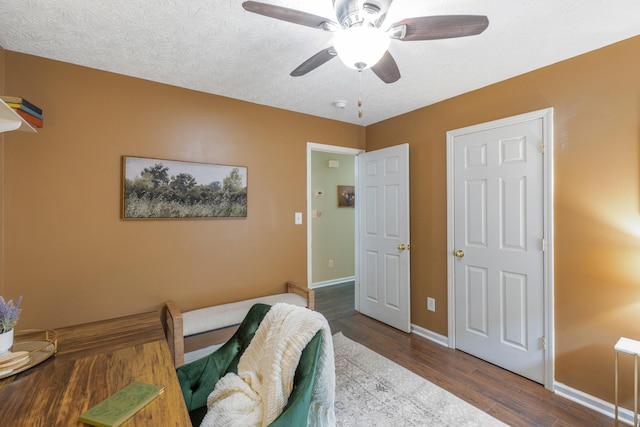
9, 314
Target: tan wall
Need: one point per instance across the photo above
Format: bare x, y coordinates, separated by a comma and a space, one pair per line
67, 250
596, 98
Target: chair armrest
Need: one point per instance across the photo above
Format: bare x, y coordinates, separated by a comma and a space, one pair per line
175, 333
296, 412
309, 294
198, 378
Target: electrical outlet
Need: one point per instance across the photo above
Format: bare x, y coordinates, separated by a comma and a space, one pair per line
330, 263
431, 304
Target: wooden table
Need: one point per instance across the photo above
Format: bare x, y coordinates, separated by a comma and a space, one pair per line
95, 360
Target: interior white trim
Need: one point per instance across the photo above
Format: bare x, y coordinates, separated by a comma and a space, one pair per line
593, 402
547, 122
332, 282
430, 335
312, 146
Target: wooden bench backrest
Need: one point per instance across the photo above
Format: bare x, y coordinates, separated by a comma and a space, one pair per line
175, 325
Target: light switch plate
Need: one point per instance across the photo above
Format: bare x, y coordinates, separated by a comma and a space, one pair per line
298, 218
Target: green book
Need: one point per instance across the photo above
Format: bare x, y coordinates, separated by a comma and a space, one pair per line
115, 410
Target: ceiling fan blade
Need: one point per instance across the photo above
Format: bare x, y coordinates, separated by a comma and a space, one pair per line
314, 62
290, 15
441, 27
387, 69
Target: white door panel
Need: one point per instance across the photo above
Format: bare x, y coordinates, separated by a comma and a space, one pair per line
384, 229
498, 223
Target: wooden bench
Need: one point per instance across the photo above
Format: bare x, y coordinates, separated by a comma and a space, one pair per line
204, 327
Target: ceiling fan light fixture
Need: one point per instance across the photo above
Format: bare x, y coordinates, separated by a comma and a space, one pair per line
360, 47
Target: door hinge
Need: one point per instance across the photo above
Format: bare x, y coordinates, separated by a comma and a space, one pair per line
543, 341
543, 245
542, 146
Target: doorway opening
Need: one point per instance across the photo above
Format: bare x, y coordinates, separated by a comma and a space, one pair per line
380, 231
332, 216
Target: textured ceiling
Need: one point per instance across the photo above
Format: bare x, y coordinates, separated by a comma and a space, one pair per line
215, 46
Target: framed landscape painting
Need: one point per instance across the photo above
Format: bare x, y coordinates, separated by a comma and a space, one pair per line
155, 188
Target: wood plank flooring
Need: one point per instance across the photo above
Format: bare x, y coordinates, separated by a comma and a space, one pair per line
335, 301
506, 396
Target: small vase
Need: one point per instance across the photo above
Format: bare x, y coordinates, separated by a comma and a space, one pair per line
6, 341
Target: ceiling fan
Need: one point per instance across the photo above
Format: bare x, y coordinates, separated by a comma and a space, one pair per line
360, 38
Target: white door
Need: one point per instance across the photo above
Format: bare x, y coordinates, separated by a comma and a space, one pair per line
383, 221
498, 246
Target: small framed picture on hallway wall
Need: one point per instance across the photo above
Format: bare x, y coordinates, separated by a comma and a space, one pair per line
346, 196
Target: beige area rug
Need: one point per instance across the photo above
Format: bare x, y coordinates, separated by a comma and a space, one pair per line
371, 390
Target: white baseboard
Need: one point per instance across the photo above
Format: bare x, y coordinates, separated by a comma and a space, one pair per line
593, 402
317, 285
430, 335
560, 389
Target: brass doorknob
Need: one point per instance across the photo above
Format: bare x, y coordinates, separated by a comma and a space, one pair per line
459, 253
401, 247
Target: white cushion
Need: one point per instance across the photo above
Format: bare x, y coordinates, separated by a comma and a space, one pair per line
221, 316
200, 353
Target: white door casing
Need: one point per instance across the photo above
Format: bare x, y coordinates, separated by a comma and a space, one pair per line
383, 221
499, 285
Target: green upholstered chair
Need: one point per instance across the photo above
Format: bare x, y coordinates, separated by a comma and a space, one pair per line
198, 378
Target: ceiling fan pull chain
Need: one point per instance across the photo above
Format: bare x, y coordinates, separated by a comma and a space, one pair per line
360, 94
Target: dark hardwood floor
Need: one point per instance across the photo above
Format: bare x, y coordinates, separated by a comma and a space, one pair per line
335, 301
506, 396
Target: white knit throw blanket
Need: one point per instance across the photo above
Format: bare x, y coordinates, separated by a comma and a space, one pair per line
260, 390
